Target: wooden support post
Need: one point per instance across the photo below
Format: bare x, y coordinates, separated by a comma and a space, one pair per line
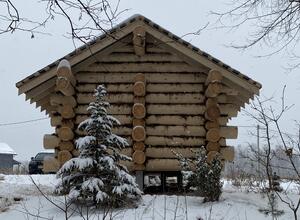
139, 40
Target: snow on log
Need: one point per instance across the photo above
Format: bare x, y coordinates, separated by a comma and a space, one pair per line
64, 70
50, 141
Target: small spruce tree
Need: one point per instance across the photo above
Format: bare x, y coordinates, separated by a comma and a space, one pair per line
96, 176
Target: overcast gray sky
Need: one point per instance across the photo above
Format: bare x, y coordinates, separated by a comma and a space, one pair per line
21, 56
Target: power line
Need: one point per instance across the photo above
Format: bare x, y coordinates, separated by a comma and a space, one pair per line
22, 122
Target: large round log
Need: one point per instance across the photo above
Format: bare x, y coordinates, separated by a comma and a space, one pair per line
67, 123
213, 146
174, 141
229, 132
58, 99
64, 70
213, 135
66, 145
212, 155
213, 89
213, 76
139, 146
66, 111
138, 133
65, 134
50, 141
139, 111
50, 164
64, 86
227, 153
55, 120
163, 165
212, 113
63, 156
170, 152
196, 131
139, 89
138, 157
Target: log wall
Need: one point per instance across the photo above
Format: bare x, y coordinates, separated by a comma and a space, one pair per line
164, 104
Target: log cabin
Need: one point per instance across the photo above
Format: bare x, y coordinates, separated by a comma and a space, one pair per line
168, 95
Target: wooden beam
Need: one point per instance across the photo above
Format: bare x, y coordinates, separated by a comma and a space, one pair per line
139, 40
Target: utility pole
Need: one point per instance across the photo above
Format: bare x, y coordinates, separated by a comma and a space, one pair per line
258, 150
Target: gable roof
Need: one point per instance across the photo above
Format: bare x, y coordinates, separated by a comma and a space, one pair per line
251, 86
6, 149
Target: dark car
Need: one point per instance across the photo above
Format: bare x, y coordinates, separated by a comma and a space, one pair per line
36, 163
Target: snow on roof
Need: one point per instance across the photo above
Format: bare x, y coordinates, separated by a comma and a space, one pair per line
5, 149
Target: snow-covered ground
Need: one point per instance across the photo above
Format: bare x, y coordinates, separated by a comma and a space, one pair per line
235, 204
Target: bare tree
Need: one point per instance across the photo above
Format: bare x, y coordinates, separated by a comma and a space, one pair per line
86, 18
274, 23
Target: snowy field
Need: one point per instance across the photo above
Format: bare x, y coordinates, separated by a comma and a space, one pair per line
236, 203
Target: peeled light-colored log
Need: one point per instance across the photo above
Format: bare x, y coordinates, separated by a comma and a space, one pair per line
64, 70
174, 141
188, 98
159, 109
66, 145
227, 153
63, 156
213, 89
174, 88
138, 110
229, 132
64, 86
100, 77
86, 98
174, 120
50, 165
196, 131
163, 165
229, 109
58, 99
212, 155
139, 89
66, 111
213, 146
139, 40
213, 135
138, 122
167, 152
65, 133
139, 146
55, 120
50, 141
138, 157
150, 88
212, 113
138, 133
213, 76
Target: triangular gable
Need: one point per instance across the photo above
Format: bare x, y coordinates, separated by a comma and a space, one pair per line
41, 82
